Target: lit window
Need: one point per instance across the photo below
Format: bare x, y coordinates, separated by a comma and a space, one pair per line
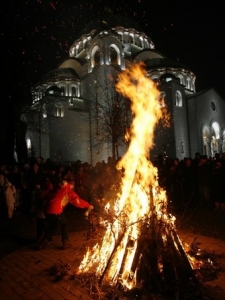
215, 139
62, 90
44, 111
132, 38
29, 146
114, 54
216, 130
120, 36
182, 147
95, 56
73, 91
206, 140
59, 110
181, 78
178, 99
28, 143
188, 83
161, 99
223, 142
155, 78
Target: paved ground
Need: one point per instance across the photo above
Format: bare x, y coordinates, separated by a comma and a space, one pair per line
24, 271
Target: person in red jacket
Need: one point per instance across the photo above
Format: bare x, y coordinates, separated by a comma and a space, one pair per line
54, 207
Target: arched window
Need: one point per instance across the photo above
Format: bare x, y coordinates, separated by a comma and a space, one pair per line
178, 99
161, 99
59, 110
114, 54
62, 90
181, 79
127, 38
95, 56
29, 146
215, 139
223, 142
120, 36
138, 40
216, 130
188, 83
73, 90
206, 140
44, 111
155, 78
182, 147
28, 141
131, 38
77, 48
84, 43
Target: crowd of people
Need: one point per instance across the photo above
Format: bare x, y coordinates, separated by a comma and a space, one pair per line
43, 188
193, 182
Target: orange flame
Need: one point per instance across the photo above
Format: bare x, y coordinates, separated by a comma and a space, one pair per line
140, 192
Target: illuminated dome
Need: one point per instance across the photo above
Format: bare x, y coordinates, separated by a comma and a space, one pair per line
124, 29
61, 73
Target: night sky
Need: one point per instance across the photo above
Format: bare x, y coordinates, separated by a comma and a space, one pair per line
36, 36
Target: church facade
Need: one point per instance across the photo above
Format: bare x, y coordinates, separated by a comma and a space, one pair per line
78, 115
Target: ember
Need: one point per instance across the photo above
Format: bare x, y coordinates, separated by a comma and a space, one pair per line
140, 248
205, 262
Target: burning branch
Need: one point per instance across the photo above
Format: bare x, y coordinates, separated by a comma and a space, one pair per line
140, 247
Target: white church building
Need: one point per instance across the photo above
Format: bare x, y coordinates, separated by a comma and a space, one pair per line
78, 115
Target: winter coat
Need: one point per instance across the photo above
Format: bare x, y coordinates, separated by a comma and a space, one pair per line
60, 197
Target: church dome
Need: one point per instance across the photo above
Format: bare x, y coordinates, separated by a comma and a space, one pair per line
60, 73
165, 63
127, 31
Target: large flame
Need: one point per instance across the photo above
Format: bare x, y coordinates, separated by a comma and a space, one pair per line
140, 194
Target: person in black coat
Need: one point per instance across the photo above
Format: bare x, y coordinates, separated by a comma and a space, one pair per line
204, 179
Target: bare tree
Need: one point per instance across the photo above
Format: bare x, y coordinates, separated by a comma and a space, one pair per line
111, 114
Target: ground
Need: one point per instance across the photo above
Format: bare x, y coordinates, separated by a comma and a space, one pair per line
202, 226
206, 228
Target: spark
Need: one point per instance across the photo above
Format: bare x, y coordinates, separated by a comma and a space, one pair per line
52, 5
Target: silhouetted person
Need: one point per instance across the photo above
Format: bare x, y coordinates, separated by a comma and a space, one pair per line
175, 184
217, 188
36, 180
204, 176
189, 183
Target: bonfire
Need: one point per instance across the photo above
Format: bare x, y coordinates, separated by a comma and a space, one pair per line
140, 248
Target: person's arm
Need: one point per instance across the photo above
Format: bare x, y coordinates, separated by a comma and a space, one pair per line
77, 201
